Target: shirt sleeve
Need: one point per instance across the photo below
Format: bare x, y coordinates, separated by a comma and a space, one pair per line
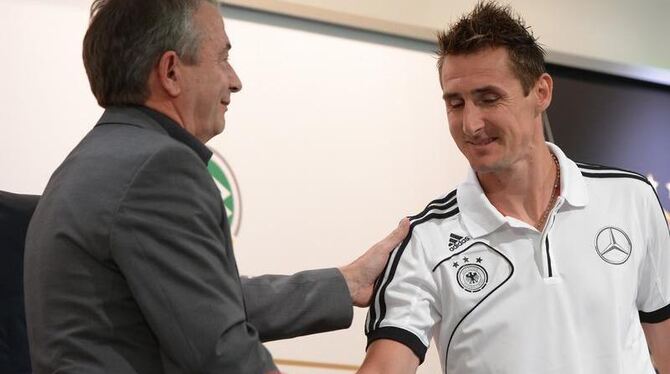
169, 243
653, 299
404, 307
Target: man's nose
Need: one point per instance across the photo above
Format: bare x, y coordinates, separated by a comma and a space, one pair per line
235, 82
473, 122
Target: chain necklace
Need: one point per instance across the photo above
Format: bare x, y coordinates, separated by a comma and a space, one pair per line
554, 196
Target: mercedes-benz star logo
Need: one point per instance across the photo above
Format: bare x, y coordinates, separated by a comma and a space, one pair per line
613, 245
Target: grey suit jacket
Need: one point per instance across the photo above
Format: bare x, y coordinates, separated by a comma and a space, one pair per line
129, 266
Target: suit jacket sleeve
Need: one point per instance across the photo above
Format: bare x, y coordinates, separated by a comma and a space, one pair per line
308, 302
168, 241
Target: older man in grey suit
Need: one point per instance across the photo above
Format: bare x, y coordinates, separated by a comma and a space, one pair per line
129, 265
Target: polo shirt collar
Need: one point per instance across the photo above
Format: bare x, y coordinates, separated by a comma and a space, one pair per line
480, 217
573, 184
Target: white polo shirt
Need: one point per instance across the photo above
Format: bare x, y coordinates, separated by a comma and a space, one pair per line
501, 297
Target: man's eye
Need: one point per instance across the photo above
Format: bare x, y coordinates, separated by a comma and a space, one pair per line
454, 103
490, 99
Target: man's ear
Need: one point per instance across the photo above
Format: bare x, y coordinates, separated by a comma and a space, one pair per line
543, 90
169, 72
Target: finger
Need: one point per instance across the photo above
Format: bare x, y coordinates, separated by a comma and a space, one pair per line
399, 233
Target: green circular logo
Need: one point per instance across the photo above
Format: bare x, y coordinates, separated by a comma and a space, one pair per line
230, 193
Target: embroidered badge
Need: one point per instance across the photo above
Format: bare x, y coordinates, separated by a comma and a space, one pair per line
472, 277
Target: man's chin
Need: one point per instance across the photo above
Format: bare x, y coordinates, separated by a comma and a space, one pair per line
483, 164
218, 128
484, 169
215, 131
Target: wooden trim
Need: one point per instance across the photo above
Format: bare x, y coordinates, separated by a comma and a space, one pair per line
316, 365
426, 34
337, 18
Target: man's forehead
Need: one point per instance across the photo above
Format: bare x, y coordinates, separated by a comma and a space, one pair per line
210, 20
224, 35
477, 70
217, 33
489, 59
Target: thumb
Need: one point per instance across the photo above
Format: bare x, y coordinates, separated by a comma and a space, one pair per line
397, 235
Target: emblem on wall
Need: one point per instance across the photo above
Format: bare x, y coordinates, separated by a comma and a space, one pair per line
613, 245
230, 193
471, 276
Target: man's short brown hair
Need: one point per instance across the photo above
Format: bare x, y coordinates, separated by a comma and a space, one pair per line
126, 38
491, 25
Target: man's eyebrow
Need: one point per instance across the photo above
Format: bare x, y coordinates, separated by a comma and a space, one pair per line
223, 54
450, 95
477, 92
485, 90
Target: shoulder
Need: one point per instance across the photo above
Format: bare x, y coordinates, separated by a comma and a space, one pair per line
596, 173
117, 161
439, 212
614, 183
132, 139
124, 149
434, 227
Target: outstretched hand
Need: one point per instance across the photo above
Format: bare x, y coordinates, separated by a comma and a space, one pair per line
361, 274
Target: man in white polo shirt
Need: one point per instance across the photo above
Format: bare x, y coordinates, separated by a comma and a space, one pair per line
534, 264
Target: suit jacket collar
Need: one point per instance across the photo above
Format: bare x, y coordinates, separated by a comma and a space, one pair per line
150, 119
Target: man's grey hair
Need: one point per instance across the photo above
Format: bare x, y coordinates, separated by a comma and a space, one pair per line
126, 39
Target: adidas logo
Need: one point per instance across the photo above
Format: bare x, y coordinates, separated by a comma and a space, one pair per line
453, 239
456, 241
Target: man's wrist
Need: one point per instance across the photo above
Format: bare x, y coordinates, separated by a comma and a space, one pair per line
352, 285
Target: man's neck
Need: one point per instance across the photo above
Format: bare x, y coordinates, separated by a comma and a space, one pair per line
170, 109
525, 190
